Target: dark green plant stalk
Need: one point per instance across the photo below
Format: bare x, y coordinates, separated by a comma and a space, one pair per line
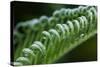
69, 28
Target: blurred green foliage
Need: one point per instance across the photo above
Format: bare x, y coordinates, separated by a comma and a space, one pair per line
26, 11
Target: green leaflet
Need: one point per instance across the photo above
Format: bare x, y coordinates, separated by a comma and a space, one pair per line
41, 46
55, 34
17, 64
61, 31
77, 26
66, 28
70, 25
23, 60
27, 51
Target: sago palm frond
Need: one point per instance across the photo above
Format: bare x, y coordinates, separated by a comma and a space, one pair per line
44, 40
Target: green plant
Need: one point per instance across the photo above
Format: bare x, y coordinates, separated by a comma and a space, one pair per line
45, 40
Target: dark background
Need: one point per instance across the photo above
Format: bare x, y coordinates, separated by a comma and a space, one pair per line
86, 51
24, 11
